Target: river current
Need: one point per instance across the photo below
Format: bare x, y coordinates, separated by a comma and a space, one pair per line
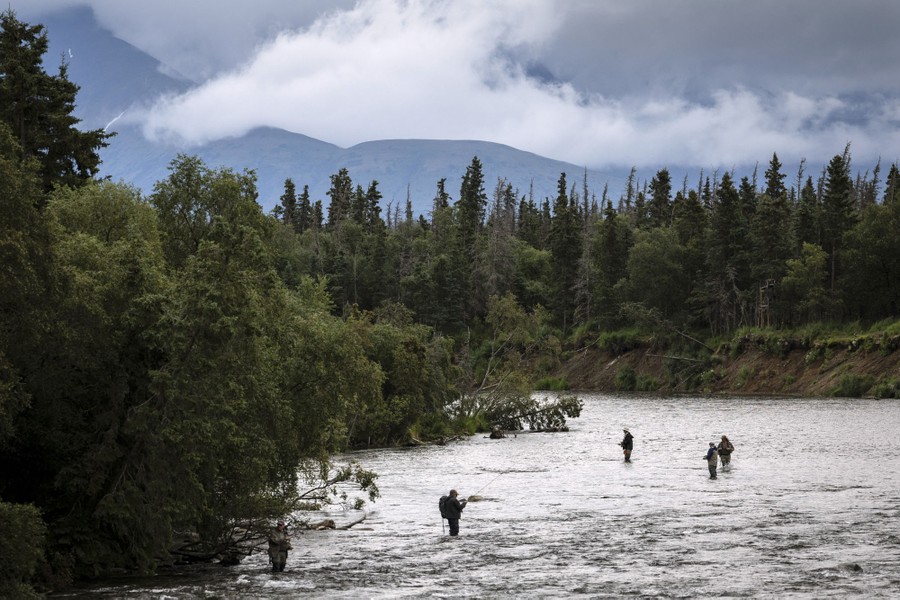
809, 509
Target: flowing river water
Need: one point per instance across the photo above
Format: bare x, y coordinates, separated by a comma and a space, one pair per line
809, 509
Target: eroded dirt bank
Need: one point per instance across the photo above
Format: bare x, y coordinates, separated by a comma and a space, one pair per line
795, 372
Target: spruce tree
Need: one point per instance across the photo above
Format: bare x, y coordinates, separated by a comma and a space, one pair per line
289, 202
659, 208
892, 186
838, 210
565, 248
775, 179
341, 194
806, 222
471, 206
304, 211
38, 108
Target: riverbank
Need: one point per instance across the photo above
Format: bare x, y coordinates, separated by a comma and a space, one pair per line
856, 367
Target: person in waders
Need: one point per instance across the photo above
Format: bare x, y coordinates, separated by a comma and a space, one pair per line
627, 444
725, 449
712, 459
279, 544
451, 509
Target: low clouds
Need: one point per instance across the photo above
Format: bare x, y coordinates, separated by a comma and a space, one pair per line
647, 82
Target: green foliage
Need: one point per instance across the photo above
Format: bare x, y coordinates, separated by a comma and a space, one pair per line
537, 415
38, 108
551, 384
621, 341
626, 380
646, 383
887, 388
853, 386
22, 546
185, 362
744, 375
709, 376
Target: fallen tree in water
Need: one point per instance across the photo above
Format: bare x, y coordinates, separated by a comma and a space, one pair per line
236, 539
495, 384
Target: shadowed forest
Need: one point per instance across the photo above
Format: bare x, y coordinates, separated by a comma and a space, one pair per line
184, 364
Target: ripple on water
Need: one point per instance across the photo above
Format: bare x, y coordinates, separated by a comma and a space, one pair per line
561, 514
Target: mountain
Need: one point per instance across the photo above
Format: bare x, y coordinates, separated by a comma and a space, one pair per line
115, 77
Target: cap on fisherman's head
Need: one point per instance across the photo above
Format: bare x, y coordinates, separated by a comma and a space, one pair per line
625, 429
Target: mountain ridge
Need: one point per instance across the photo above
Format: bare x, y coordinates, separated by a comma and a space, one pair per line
116, 78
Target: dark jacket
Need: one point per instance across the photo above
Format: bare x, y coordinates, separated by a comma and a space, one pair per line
453, 507
628, 442
725, 448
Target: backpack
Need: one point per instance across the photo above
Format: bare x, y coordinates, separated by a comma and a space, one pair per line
442, 506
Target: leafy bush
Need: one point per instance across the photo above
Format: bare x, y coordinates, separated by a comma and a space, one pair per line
744, 373
709, 376
552, 384
645, 383
22, 533
472, 424
619, 342
626, 380
853, 386
887, 389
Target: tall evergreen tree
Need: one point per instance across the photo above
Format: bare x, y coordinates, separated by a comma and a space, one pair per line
341, 194
773, 245
471, 206
728, 293
441, 198
838, 210
659, 208
38, 107
609, 253
775, 179
373, 220
565, 248
892, 186
806, 220
304, 211
289, 203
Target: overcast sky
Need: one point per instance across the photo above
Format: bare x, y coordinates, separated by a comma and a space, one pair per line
601, 83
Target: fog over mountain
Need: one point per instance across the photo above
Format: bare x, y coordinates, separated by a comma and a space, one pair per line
302, 89
116, 78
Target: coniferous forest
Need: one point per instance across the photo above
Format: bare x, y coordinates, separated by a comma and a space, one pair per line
181, 362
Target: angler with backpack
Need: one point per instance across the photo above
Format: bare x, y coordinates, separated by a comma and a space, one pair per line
451, 509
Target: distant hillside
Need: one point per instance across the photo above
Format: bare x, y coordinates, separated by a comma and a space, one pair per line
115, 77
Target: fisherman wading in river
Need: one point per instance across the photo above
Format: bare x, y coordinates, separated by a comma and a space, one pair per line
627, 444
451, 509
279, 544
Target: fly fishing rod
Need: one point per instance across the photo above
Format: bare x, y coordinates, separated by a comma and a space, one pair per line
485, 485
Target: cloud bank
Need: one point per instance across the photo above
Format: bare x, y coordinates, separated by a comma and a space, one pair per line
600, 84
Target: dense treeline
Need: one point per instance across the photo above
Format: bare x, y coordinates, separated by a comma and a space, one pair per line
184, 363
176, 365
712, 258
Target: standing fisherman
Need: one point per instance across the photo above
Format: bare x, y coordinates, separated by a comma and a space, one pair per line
627, 444
712, 459
279, 544
451, 509
725, 449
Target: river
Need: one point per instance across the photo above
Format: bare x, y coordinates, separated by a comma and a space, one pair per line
809, 509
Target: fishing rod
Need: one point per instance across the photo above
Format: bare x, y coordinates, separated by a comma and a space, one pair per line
487, 484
